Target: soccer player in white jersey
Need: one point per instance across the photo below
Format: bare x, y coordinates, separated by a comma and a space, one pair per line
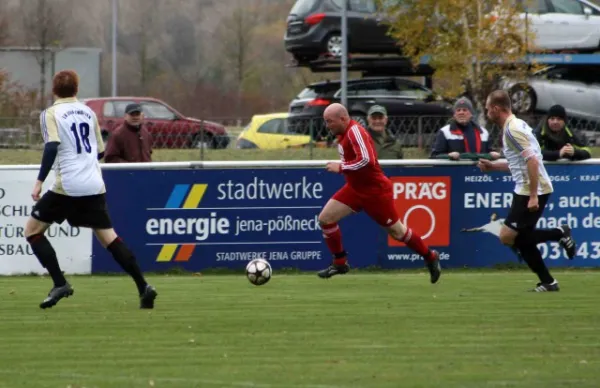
531, 193
72, 139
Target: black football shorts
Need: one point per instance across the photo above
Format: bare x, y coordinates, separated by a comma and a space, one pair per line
87, 212
519, 216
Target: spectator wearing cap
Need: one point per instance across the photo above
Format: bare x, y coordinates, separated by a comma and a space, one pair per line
462, 137
386, 146
557, 140
131, 142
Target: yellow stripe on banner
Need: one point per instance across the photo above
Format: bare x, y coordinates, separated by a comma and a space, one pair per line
167, 252
195, 196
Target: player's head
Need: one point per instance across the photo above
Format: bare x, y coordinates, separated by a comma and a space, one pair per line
65, 84
498, 106
337, 118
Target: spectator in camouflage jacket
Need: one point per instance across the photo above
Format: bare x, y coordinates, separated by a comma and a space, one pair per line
386, 146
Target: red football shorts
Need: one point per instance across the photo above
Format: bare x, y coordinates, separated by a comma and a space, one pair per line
380, 207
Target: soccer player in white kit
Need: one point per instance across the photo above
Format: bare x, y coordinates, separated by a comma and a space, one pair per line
532, 191
72, 139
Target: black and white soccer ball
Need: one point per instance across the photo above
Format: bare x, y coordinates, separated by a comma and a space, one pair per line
259, 271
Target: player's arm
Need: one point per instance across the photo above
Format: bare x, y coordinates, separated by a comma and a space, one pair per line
501, 165
487, 165
519, 141
52, 140
99, 140
533, 166
360, 146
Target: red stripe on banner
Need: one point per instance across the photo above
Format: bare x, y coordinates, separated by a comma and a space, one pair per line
185, 252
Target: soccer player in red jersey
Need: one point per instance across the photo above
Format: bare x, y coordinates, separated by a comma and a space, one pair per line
367, 188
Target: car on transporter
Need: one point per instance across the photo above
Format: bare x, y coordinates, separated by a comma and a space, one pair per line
314, 30
313, 27
168, 127
412, 108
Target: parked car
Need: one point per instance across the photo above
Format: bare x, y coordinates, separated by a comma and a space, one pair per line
270, 131
314, 29
168, 127
577, 88
564, 24
412, 107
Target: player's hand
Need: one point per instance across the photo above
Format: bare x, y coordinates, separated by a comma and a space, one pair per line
37, 190
495, 155
454, 155
485, 165
334, 167
533, 204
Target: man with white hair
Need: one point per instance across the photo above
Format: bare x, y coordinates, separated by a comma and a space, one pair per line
463, 138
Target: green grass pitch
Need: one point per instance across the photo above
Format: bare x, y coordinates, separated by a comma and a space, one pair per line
471, 330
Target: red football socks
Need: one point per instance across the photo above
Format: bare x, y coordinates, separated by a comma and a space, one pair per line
333, 239
415, 242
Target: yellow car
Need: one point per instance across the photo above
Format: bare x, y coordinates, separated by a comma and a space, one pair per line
269, 132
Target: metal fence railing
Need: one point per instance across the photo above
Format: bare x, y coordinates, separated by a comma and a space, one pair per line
235, 138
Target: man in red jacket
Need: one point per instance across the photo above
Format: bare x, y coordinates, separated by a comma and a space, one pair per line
131, 142
367, 188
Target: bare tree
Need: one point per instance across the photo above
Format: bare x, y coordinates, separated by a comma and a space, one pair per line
185, 51
44, 28
147, 40
141, 42
4, 29
236, 35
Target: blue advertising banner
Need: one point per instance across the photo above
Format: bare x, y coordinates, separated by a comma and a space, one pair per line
199, 219
223, 218
463, 216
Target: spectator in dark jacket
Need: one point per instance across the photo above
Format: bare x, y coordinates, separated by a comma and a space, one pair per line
386, 146
557, 140
463, 138
131, 142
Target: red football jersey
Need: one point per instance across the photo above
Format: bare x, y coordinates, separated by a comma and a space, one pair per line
359, 161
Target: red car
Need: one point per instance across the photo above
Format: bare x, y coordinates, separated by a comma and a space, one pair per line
168, 127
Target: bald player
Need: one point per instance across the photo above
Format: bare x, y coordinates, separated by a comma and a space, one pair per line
367, 188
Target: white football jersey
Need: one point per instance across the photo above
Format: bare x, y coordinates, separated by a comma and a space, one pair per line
76, 127
519, 145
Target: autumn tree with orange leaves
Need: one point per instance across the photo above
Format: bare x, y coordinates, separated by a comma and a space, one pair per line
469, 43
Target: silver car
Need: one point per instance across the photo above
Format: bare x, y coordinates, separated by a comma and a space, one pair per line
564, 24
577, 88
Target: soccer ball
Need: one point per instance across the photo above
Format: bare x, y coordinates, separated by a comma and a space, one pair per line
258, 272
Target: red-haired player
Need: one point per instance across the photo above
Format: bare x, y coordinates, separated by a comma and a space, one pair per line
367, 188
72, 139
